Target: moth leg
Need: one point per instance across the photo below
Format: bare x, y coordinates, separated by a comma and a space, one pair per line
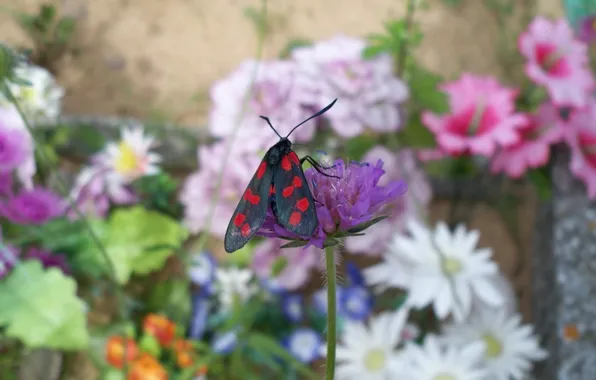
317, 166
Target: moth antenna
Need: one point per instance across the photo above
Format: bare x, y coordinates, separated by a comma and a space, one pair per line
312, 117
268, 122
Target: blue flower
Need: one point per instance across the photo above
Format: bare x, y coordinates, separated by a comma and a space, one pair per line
202, 270
200, 312
354, 274
304, 344
224, 343
292, 307
320, 300
356, 302
271, 286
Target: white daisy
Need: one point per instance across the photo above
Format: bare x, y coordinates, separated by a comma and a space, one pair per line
434, 360
131, 157
234, 285
410, 333
510, 347
41, 99
440, 268
370, 353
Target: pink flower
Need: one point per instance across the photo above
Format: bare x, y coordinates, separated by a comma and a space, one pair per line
276, 95
16, 146
369, 93
35, 206
542, 130
482, 117
295, 264
557, 61
413, 204
581, 137
199, 190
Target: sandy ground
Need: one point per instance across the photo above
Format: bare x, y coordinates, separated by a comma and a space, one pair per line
156, 58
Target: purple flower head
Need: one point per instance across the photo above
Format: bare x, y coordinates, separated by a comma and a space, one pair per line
49, 259
14, 148
35, 206
6, 183
347, 203
587, 29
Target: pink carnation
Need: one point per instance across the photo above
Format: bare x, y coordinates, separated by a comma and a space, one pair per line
557, 61
200, 190
299, 265
275, 95
16, 146
542, 130
370, 94
581, 137
413, 204
482, 117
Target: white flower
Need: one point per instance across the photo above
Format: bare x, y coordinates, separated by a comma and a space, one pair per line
510, 347
440, 268
40, 101
304, 344
410, 332
370, 353
131, 157
234, 284
202, 268
436, 361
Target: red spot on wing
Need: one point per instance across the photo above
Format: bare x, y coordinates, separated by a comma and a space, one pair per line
245, 229
297, 181
261, 170
287, 191
250, 197
272, 190
239, 219
294, 158
302, 204
285, 163
295, 218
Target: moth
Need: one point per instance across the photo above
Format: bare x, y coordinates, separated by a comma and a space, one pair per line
279, 181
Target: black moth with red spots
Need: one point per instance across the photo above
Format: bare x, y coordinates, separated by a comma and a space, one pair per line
279, 181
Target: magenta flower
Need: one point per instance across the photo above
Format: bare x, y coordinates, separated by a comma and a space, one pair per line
482, 117
587, 29
276, 94
557, 61
581, 137
401, 165
542, 130
6, 183
346, 205
199, 189
35, 206
290, 268
370, 93
48, 259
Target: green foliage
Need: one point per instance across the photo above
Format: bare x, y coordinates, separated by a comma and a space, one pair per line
173, 296
258, 16
40, 308
50, 33
355, 148
294, 43
158, 192
393, 40
542, 182
8, 61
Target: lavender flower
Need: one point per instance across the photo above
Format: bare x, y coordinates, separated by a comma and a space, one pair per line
346, 206
370, 93
35, 206
16, 146
304, 344
49, 259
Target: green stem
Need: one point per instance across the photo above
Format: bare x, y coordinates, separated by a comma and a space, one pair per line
331, 312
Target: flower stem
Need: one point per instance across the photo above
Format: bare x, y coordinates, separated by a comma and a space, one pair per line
331, 313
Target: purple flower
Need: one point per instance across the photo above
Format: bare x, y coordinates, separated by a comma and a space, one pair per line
49, 259
291, 268
370, 93
275, 94
16, 146
344, 205
401, 165
587, 29
5, 183
35, 206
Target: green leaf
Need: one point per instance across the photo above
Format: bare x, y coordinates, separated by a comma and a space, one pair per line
542, 182
113, 374
294, 43
295, 244
40, 308
424, 93
64, 30
416, 135
174, 297
132, 231
356, 147
363, 226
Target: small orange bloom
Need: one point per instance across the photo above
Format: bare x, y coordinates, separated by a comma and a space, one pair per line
201, 371
571, 332
183, 350
147, 367
115, 351
160, 327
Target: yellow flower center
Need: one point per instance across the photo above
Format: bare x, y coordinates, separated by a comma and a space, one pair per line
374, 361
127, 160
494, 347
28, 94
451, 266
444, 376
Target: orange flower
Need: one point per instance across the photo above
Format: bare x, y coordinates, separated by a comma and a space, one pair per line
160, 327
147, 368
183, 350
115, 351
